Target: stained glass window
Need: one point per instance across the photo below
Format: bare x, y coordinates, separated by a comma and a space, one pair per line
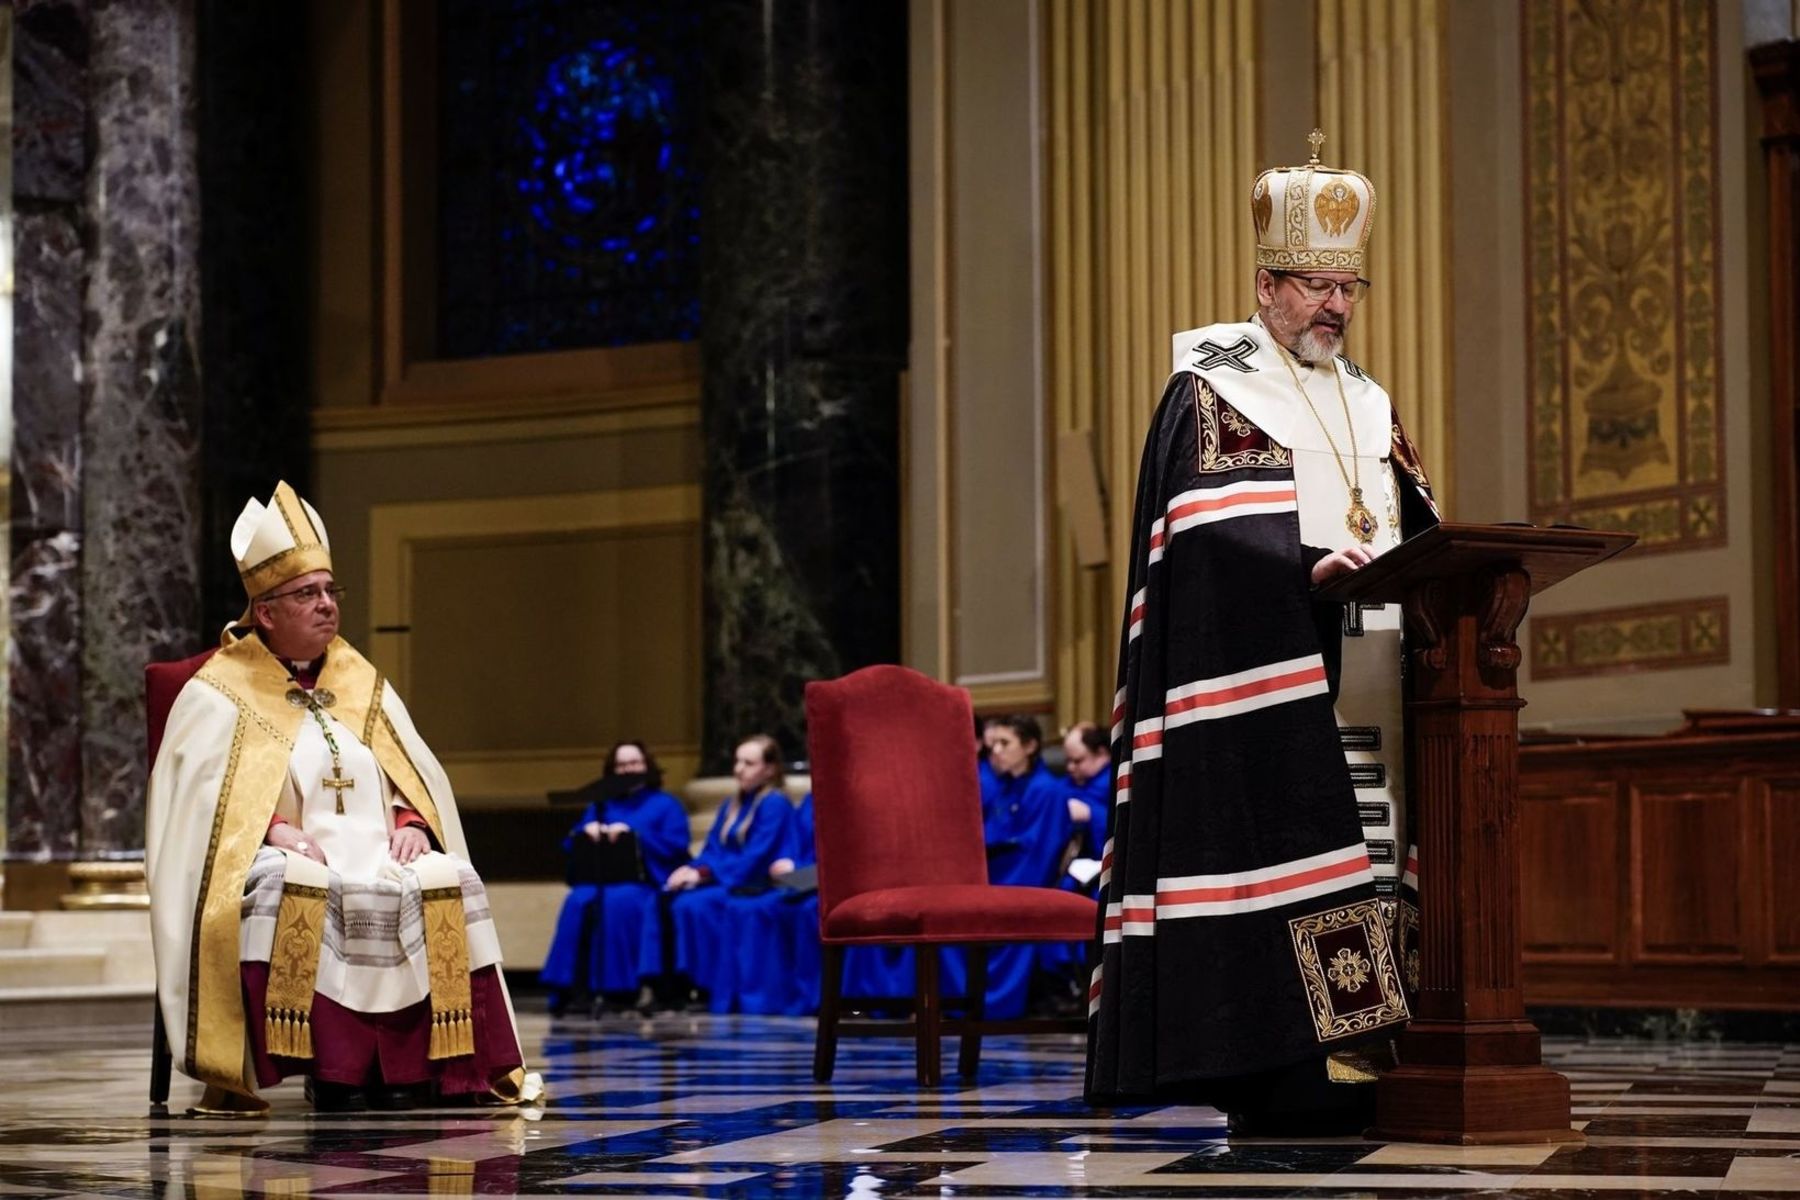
568, 207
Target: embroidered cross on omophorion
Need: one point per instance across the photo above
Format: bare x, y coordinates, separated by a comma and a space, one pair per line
1210, 354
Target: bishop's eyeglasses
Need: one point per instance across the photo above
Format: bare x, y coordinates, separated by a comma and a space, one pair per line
311, 594
1319, 289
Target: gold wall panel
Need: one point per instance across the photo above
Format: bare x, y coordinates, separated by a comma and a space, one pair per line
527, 633
1383, 105
1622, 256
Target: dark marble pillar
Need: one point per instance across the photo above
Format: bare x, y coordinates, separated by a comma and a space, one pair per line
804, 335
50, 164
253, 276
140, 588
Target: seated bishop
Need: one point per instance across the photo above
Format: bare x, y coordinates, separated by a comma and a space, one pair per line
312, 903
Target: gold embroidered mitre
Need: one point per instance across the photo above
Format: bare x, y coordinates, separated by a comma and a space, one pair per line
279, 541
1312, 217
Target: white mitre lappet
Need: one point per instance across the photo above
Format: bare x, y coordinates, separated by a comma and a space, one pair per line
278, 541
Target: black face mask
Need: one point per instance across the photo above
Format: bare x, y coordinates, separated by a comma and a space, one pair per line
624, 784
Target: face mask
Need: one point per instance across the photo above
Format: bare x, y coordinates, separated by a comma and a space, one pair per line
626, 783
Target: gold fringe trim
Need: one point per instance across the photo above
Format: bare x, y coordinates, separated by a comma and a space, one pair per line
447, 961
294, 970
288, 1033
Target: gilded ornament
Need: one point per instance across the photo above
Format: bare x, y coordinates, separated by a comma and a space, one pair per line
1349, 970
1262, 207
1336, 206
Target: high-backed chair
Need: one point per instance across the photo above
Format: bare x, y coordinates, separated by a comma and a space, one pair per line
163, 682
897, 812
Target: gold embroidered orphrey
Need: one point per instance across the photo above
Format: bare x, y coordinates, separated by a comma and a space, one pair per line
1210, 410
1388, 1006
1357, 518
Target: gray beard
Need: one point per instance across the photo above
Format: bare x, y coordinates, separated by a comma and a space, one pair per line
1314, 347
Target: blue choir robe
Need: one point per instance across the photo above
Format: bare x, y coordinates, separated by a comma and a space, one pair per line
1060, 958
735, 856
1097, 794
774, 938
598, 944
1027, 827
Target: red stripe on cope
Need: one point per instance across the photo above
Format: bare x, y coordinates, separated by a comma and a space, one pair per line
1137, 914
1242, 691
1151, 738
1265, 887
1195, 507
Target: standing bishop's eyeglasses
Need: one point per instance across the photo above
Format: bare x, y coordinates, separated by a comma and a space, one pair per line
1318, 288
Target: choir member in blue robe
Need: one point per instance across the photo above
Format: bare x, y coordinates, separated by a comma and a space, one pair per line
773, 937
598, 945
1028, 828
748, 835
1089, 762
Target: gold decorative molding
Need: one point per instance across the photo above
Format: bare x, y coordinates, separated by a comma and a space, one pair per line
520, 778
1622, 229
1614, 641
104, 885
1152, 123
1383, 102
409, 426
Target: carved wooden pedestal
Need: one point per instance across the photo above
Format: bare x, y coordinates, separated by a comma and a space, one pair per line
1471, 1070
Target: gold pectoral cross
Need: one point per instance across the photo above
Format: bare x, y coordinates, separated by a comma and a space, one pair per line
338, 783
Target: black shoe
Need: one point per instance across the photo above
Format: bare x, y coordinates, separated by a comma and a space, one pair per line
327, 1097
1349, 1121
394, 1097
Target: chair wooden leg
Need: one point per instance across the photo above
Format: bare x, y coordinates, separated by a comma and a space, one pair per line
831, 986
968, 1058
161, 1060
928, 1016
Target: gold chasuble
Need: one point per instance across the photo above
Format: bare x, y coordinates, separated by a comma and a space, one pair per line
219, 779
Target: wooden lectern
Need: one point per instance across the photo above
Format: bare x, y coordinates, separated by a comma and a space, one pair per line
1471, 1069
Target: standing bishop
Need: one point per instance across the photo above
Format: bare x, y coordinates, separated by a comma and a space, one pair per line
312, 904
1258, 899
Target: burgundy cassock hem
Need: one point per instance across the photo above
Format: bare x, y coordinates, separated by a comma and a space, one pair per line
358, 1048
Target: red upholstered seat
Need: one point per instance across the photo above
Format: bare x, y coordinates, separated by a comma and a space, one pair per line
902, 862
163, 682
963, 912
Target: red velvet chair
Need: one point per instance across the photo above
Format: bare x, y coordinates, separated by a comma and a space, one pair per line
163, 682
897, 816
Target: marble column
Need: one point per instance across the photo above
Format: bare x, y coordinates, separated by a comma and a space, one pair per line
140, 584
253, 285
50, 164
804, 336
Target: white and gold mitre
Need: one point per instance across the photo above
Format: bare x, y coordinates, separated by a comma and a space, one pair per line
279, 541
1312, 218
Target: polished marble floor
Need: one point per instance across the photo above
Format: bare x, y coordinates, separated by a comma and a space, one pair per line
714, 1106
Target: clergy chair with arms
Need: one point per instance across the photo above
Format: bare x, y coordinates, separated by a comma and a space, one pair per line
901, 860
163, 682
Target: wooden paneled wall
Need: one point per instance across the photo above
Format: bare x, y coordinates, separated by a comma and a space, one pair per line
1660, 871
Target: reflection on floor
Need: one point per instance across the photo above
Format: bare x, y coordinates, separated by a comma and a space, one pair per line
714, 1106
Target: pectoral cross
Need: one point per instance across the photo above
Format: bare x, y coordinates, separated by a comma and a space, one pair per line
338, 783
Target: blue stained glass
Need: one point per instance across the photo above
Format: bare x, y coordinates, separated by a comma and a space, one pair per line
567, 199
